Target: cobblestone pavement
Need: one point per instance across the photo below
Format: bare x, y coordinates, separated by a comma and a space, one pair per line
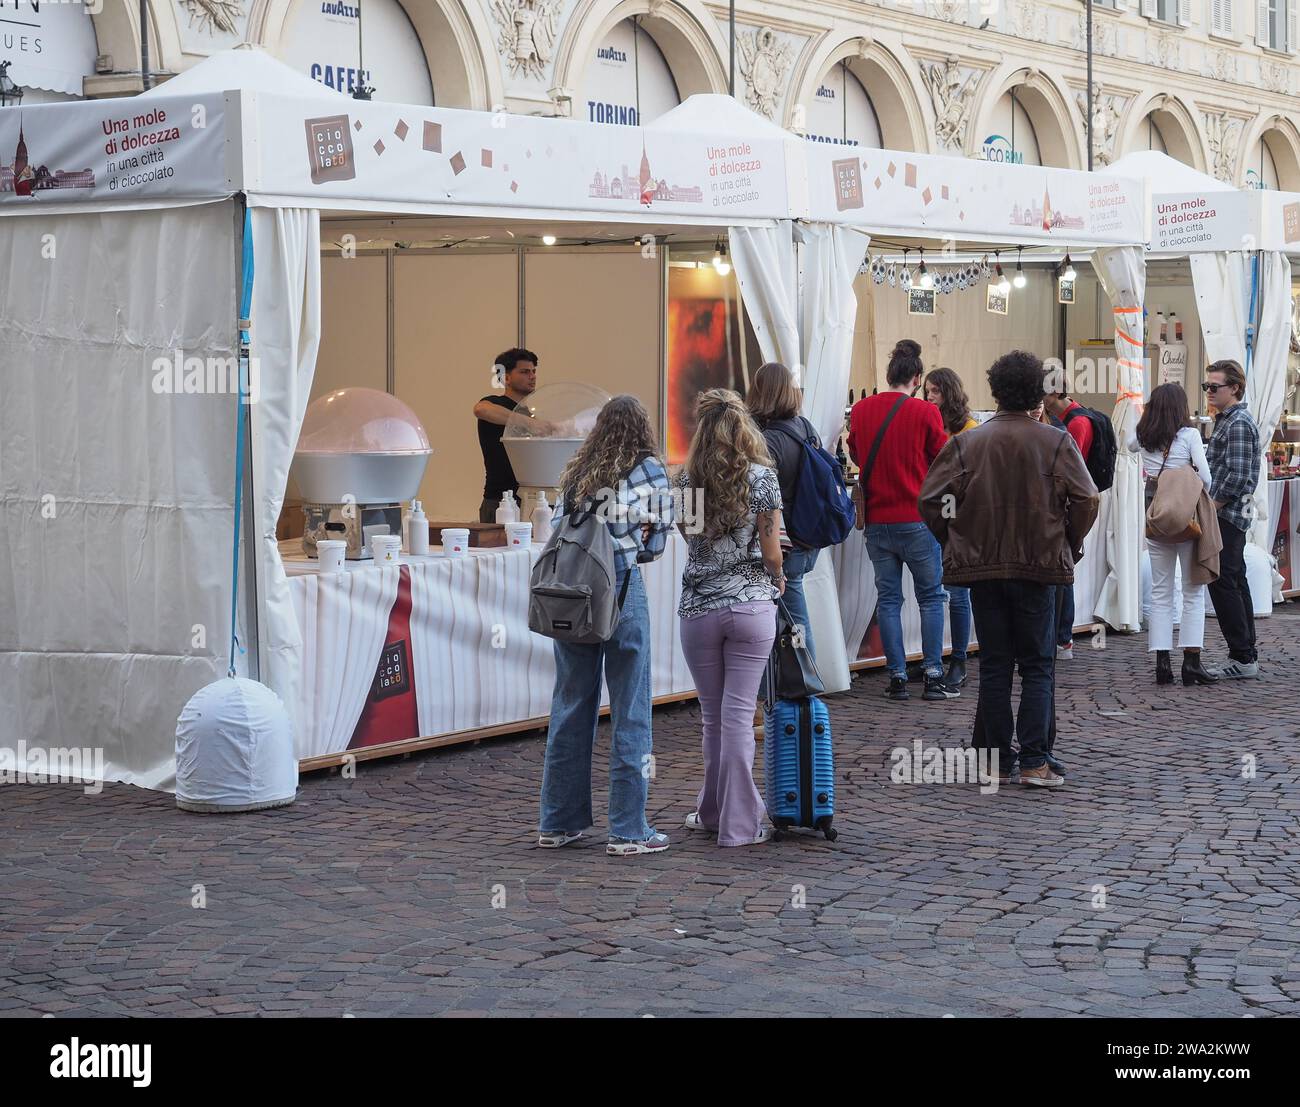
375, 895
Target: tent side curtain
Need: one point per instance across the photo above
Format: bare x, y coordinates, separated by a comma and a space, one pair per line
1122, 273
285, 338
1266, 382
117, 474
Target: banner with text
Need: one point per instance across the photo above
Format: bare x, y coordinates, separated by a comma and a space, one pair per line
117, 151
331, 153
967, 198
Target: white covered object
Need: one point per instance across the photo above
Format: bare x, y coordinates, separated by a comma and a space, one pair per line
234, 749
1259, 575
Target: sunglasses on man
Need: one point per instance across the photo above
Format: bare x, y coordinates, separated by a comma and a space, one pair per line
1213, 388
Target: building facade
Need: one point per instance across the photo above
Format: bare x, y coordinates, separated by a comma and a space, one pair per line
1211, 82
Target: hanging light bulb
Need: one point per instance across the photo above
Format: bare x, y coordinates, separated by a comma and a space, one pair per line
1068, 273
548, 240
1019, 280
1001, 283
720, 263
906, 278
924, 278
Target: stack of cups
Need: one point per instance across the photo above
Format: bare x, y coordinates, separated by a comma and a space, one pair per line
330, 551
519, 534
455, 541
386, 549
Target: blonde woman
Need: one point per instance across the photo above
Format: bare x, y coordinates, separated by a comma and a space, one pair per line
733, 576
616, 473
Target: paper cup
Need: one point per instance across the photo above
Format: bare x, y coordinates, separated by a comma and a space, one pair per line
330, 552
519, 534
455, 541
386, 549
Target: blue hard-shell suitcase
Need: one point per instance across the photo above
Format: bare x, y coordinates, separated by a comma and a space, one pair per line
799, 766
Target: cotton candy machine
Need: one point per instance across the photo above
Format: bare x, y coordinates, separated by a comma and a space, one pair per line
360, 454
545, 431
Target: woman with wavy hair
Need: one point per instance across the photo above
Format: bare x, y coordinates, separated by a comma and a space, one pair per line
616, 473
728, 617
944, 389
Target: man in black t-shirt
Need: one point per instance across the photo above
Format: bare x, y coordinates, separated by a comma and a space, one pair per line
518, 373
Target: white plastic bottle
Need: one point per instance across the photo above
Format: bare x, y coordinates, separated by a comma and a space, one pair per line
418, 536
508, 512
541, 518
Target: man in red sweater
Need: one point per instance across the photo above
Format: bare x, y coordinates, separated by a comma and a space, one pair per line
893, 438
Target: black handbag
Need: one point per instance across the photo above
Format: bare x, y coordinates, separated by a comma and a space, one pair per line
791, 673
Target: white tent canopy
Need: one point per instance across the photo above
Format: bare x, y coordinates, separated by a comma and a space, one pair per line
115, 605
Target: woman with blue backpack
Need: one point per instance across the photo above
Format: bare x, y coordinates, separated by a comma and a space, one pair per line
817, 506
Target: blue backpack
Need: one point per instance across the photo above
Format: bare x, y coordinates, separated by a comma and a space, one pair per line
822, 513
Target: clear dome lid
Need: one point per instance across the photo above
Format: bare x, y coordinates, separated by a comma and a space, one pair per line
361, 421
563, 410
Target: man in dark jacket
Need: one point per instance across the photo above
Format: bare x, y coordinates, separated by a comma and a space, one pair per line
1011, 502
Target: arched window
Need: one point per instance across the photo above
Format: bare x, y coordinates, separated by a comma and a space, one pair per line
320, 40
841, 111
628, 80
1011, 138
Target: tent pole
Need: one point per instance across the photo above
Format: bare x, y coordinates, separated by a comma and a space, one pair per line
144, 46
248, 520
731, 46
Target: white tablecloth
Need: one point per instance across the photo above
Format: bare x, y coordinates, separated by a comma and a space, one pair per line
474, 661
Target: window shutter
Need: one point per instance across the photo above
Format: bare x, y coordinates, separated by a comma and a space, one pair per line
1222, 18
1149, 9
1291, 42
1184, 13
1261, 23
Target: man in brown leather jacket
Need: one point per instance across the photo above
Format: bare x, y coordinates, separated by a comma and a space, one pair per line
1010, 502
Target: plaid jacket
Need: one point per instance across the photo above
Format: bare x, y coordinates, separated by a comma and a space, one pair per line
1234, 458
644, 492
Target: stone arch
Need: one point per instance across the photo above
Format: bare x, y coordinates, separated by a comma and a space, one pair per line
888, 82
456, 37
1058, 126
117, 33
1177, 124
684, 30
1282, 138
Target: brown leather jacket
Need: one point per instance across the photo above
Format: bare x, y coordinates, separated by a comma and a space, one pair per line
1010, 499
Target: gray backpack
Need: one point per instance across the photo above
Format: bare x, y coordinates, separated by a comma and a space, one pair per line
572, 588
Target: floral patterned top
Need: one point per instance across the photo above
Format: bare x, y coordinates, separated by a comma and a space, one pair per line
728, 570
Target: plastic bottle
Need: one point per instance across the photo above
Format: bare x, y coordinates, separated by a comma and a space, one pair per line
541, 518
508, 512
1162, 327
1178, 327
417, 540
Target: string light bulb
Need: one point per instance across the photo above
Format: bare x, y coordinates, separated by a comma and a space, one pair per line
548, 240
907, 272
1068, 272
925, 277
1019, 280
1003, 285
720, 263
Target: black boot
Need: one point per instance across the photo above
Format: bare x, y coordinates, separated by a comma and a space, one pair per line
956, 676
1164, 672
1194, 672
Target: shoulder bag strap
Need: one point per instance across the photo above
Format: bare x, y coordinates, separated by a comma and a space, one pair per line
865, 475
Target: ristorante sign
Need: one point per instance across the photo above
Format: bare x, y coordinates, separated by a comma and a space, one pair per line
50, 44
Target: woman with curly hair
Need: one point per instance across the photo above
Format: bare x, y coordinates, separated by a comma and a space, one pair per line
728, 617
943, 388
616, 473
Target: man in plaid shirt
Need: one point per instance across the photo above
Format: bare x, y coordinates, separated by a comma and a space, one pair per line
1234, 458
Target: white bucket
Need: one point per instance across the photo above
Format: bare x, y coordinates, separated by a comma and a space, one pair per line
455, 541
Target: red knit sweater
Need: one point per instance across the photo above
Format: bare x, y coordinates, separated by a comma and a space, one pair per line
912, 442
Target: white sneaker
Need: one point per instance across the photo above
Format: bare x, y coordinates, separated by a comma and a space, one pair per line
656, 843
764, 835
1065, 653
693, 823
1240, 670
554, 839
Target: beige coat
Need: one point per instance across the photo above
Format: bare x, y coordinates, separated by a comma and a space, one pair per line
1181, 496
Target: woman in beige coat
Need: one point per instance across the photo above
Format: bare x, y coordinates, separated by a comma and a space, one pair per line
1172, 452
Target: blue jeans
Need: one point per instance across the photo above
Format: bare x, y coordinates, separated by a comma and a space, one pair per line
575, 709
891, 546
1065, 615
797, 563
959, 616
1016, 624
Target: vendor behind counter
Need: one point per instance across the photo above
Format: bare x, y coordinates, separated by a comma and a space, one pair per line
518, 373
